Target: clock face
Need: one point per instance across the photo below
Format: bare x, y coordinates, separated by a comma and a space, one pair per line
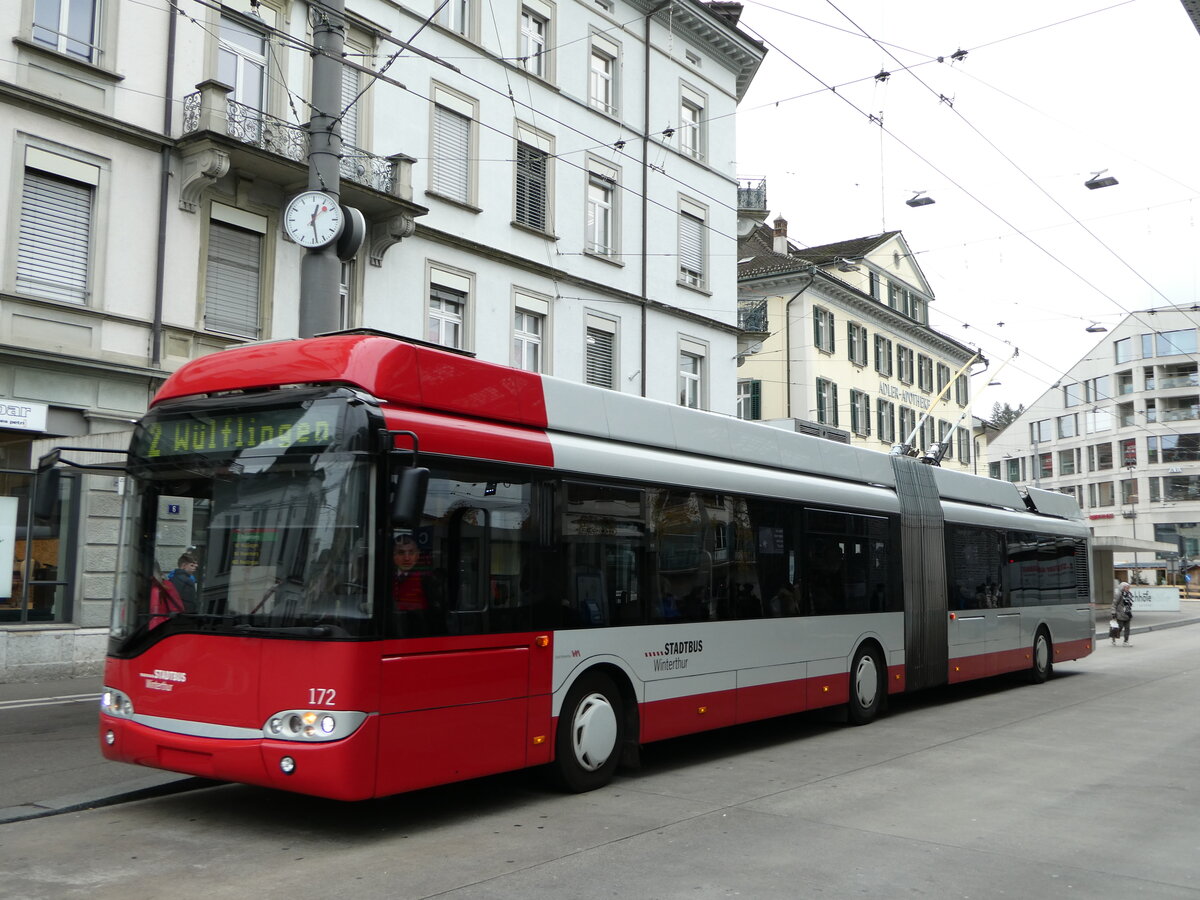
313, 219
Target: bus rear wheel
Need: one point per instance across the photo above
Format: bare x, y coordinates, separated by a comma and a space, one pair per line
867, 686
1043, 658
590, 734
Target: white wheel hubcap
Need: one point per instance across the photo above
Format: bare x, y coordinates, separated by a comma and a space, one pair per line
1041, 653
866, 681
594, 731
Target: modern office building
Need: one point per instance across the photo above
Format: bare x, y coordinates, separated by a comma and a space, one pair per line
1121, 433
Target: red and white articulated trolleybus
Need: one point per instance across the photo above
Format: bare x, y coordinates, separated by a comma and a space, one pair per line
416, 568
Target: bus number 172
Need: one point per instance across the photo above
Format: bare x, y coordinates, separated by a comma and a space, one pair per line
321, 696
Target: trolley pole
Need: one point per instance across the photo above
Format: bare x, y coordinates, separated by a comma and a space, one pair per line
320, 269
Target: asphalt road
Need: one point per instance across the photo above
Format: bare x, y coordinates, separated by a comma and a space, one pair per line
1086, 786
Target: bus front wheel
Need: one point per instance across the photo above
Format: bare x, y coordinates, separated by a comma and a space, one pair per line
589, 739
867, 686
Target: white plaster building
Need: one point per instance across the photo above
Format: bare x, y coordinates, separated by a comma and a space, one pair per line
844, 342
1121, 433
545, 183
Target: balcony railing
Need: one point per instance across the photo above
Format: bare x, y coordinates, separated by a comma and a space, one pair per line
752, 195
210, 109
752, 315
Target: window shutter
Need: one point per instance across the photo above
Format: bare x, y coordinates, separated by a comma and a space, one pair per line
531, 187
231, 293
451, 149
599, 358
353, 166
756, 400
55, 238
691, 249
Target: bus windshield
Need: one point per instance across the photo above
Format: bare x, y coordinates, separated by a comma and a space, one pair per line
250, 519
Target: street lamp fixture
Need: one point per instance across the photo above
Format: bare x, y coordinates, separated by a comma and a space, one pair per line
1097, 182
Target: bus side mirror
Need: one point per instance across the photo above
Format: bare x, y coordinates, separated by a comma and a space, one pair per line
409, 499
45, 497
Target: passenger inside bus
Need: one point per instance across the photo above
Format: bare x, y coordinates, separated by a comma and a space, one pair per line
418, 593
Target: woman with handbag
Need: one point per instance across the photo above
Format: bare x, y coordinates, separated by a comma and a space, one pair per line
1122, 613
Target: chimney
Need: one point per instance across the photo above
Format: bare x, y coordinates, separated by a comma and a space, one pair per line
779, 236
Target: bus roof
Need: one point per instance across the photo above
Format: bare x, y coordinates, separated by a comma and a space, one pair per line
396, 371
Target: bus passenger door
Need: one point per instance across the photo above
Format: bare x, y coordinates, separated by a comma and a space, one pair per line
456, 698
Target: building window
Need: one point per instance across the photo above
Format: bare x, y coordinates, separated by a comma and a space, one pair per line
54, 241
943, 436
1173, 343
447, 315
692, 244
908, 424
692, 131
964, 446
857, 340
885, 421
600, 361
749, 399
1129, 491
1039, 431
927, 433
943, 377
823, 329
451, 166
924, 372
904, 364
691, 379
1014, 470
994, 470
346, 302
1066, 462
860, 413
602, 75
456, 15
527, 340
68, 26
827, 402
601, 213
962, 390
1129, 452
242, 64
883, 355
1100, 457
532, 190
535, 29
1068, 425
233, 273
1045, 463
446, 310
1101, 494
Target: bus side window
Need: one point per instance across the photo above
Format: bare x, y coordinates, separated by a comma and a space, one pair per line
603, 530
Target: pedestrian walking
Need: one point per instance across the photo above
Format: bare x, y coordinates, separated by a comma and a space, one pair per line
1122, 612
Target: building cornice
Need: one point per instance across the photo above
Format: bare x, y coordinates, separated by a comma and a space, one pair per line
78, 115
853, 299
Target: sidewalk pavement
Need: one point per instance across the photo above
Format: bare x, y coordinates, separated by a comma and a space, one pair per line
49, 739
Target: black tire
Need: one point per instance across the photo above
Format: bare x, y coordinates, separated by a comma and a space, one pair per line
868, 686
591, 732
1043, 657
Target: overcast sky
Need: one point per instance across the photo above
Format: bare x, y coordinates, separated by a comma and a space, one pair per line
1047, 94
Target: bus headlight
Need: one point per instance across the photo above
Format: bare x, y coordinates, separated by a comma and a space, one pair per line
115, 703
313, 726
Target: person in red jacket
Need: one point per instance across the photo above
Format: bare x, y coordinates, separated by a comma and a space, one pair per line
408, 584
